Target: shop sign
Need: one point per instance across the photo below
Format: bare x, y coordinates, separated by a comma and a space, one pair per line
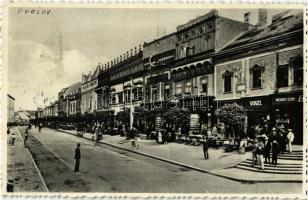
288, 99
258, 103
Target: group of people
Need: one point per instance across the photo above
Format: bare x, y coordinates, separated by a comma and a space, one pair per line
274, 142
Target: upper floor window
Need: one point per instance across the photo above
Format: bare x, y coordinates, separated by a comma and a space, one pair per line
256, 73
155, 93
204, 85
227, 76
178, 88
188, 87
297, 64
167, 92
283, 76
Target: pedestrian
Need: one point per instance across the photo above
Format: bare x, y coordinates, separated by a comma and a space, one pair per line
96, 133
77, 157
8, 130
275, 152
137, 141
12, 140
282, 142
254, 155
26, 139
259, 153
290, 137
40, 126
159, 137
267, 150
205, 148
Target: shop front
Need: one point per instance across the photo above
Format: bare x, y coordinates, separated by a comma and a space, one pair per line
288, 111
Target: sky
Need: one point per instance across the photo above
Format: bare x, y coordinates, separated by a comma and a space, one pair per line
49, 52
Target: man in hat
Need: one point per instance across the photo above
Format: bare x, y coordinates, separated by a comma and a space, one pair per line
275, 152
205, 148
77, 157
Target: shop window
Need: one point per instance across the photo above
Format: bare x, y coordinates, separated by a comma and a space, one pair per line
297, 65
188, 87
204, 85
283, 76
256, 76
178, 88
227, 76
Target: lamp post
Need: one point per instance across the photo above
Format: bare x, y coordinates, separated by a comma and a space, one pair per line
131, 108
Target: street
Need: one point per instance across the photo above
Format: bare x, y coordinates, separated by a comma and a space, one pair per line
108, 169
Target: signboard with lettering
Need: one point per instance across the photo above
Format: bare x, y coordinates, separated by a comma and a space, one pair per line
287, 98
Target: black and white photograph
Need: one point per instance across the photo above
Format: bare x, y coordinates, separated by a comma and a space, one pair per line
164, 99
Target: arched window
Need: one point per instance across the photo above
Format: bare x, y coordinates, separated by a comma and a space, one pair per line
256, 76
204, 85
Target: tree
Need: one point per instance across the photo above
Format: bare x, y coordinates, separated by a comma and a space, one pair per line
123, 116
145, 114
177, 116
232, 114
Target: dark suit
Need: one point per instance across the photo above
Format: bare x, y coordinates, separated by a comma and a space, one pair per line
206, 149
77, 158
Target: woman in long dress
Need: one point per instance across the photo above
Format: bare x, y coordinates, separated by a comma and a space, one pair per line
159, 137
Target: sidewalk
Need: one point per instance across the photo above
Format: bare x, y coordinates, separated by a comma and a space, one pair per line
219, 163
22, 168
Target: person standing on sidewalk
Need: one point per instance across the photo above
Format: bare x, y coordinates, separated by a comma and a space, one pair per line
290, 137
77, 157
275, 152
205, 149
260, 152
267, 150
253, 152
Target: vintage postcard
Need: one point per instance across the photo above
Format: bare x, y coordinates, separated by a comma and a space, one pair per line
148, 99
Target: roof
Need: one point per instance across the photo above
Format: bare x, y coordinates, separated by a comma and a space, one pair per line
212, 13
72, 88
284, 22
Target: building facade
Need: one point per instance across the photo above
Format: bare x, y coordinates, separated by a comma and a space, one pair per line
263, 71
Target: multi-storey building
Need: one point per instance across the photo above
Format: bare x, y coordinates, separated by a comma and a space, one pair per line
88, 94
10, 109
263, 71
73, 94
51, 110
192, 74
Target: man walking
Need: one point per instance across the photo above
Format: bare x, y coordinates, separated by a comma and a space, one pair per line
206, 149
77, 157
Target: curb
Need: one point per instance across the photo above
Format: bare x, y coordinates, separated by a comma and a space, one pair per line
190, 166
38, 171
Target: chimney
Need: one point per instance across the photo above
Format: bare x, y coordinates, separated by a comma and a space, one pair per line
247, 17
262, 18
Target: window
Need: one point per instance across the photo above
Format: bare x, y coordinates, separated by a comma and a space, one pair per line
155, 93
227, 76
256, 73
167, 92
204, 83
147, 94
178, 88
120, 96
283, 76
188, 87
297, 65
